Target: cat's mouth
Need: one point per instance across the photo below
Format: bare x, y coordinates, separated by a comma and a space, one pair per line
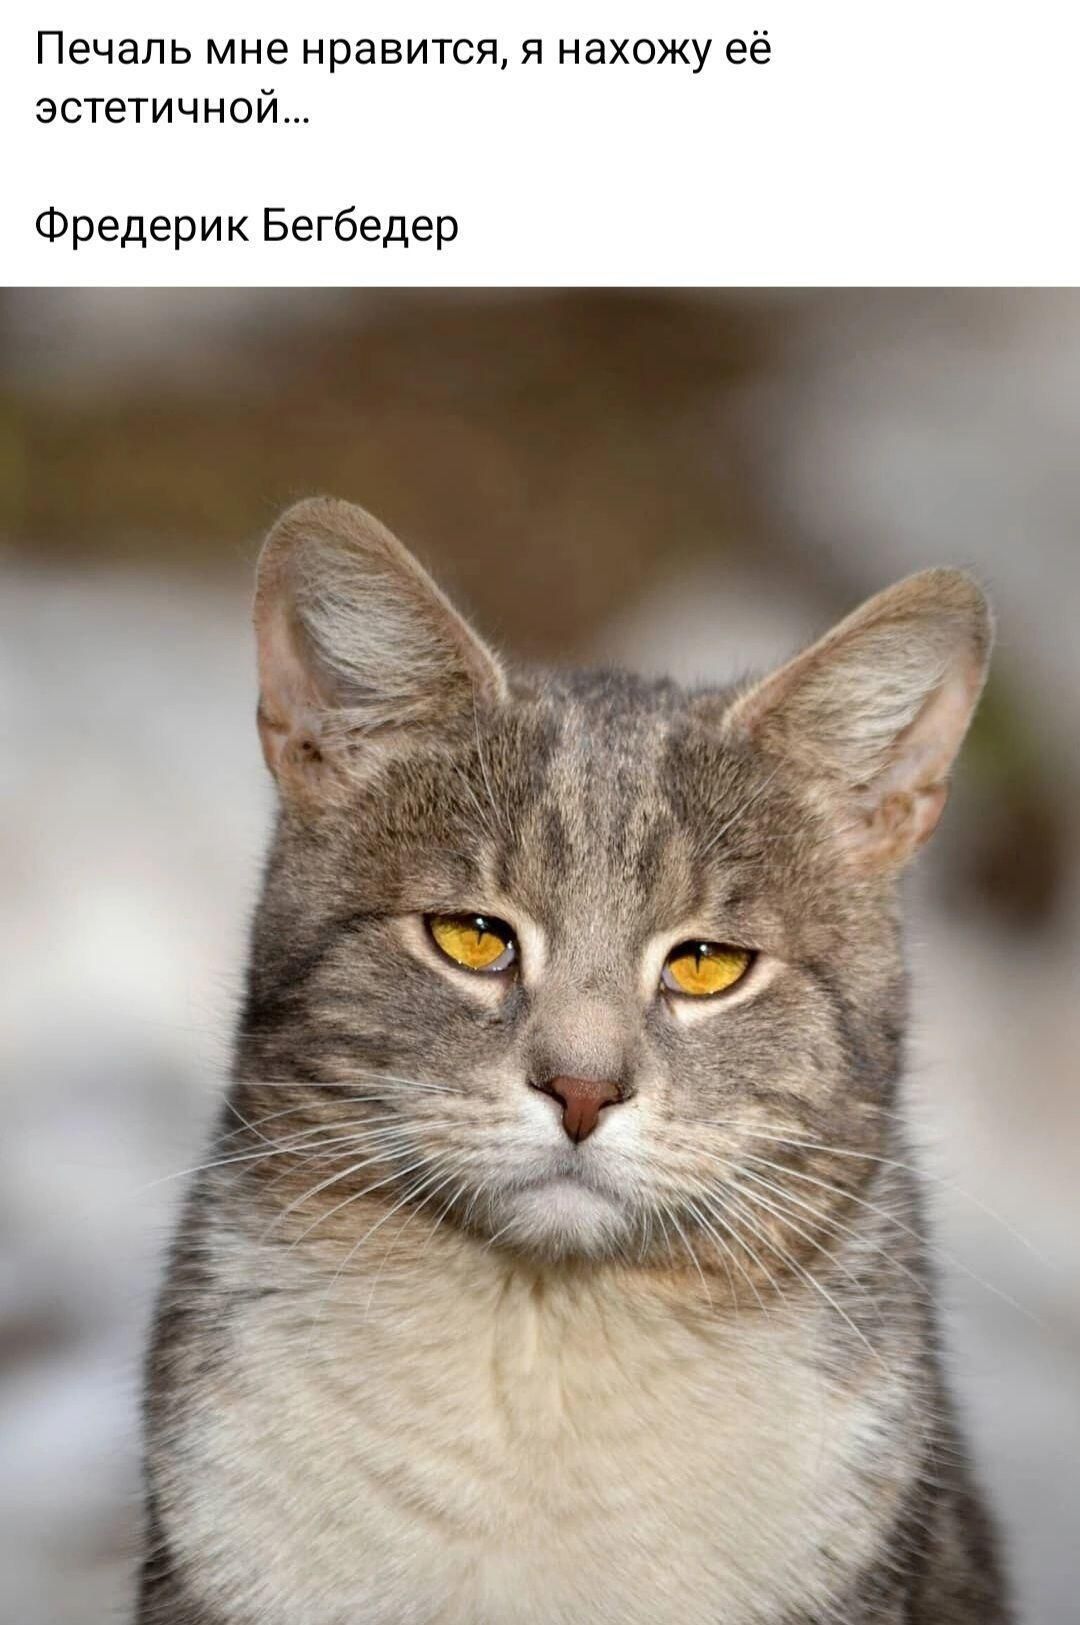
561, 1210
570, 1180
564, 1212
571, 1171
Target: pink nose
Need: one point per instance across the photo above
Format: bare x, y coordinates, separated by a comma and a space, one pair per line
582, 1101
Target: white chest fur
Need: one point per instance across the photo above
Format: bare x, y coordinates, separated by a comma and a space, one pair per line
456, 1441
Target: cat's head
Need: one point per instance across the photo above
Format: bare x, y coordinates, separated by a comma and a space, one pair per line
570, 960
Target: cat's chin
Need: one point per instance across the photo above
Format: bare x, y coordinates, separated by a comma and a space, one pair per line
561, 1217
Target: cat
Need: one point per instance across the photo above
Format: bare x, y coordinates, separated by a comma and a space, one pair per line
560, 1261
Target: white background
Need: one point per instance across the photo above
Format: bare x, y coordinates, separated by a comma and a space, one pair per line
925, 142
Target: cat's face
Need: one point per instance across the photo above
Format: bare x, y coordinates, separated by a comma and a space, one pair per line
598, 826
583, 964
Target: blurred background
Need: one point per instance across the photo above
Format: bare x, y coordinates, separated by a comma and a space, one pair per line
682, 481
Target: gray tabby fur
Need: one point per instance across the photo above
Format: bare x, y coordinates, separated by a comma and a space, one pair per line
419, 1358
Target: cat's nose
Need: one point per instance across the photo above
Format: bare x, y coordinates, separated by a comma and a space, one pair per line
582, 1101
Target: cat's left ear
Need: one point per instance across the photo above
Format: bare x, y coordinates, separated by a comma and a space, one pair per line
873, 714
357, 645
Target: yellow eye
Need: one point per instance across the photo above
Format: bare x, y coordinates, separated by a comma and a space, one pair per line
475, 941
704, 968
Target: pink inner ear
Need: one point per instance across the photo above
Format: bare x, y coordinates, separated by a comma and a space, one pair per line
902, 805
288, 697
929, 806
892, 826
923, 754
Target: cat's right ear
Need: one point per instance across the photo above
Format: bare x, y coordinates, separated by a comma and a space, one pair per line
356, 643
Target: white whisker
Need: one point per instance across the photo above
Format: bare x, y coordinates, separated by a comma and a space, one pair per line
920, 1174
251, 1156
908, 1230
806, 1275
726, 1250
407, 1195
382, 1155
693, 1256
769, 1206
819, 1218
